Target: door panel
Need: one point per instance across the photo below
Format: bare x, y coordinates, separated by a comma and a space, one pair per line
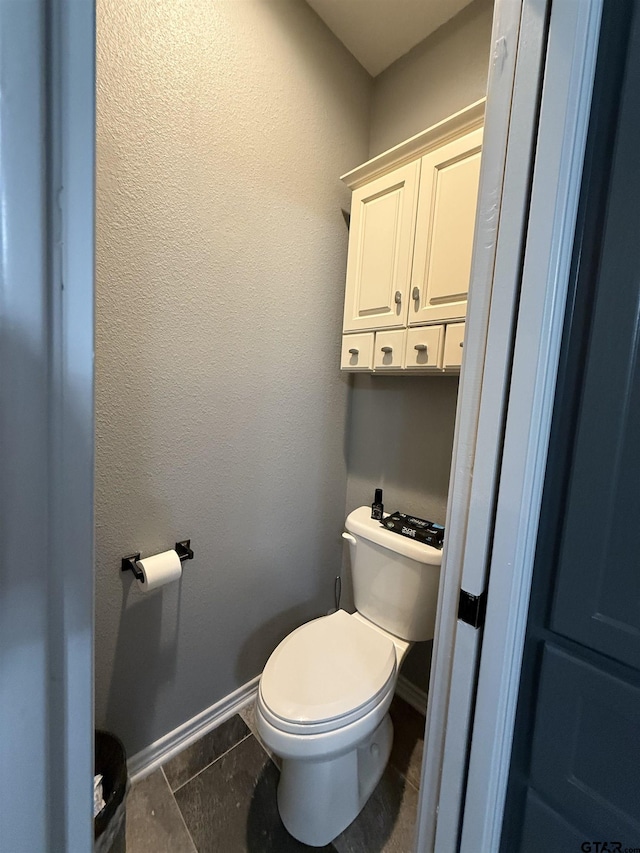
586, 745
576, 749
545, 830
602, 529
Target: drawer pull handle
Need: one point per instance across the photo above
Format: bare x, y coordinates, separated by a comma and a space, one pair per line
421, 347
416, 293
354, 351
386, 349
398, 297
461, 343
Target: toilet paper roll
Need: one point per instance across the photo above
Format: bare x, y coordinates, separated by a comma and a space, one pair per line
159, 570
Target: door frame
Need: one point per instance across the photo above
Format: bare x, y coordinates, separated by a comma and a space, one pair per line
47, 133
498, 520
517, 44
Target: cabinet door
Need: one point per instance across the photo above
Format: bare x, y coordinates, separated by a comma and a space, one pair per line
453, 342
383, 221
444, 231
424, 348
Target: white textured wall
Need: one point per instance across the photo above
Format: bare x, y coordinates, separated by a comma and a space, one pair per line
441, 75
222, 129
401, 439
408, 451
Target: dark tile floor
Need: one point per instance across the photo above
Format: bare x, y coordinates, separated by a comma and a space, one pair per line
219, 796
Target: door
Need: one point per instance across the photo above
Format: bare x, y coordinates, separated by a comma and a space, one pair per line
449, 179
573, 782
383, 225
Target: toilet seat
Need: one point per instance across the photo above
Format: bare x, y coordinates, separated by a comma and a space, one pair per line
326, 674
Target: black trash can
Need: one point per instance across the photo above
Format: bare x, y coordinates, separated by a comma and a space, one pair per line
109, 825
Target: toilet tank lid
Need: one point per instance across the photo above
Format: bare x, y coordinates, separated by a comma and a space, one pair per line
360, 523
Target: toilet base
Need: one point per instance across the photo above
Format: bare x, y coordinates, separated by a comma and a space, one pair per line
318, 799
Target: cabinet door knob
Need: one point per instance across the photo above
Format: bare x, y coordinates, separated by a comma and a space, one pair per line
421, 347
416, 293
354, 351
386, 349
461, 343
398, 297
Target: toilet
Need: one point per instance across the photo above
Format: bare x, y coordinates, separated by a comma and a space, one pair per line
324, 694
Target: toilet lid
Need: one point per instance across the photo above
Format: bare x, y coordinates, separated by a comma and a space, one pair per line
327, 668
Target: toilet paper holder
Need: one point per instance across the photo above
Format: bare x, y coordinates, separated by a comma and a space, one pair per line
182, 549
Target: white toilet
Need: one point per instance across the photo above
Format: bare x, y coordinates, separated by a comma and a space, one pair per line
326, 689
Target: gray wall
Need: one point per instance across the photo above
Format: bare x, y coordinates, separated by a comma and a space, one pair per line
222, 130
401, 429
401, 439
441, 75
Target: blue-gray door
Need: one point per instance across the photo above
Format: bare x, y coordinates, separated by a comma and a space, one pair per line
574, 783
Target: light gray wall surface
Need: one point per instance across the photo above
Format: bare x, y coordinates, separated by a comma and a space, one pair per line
401, 440
401, 429
222, 130
444, 73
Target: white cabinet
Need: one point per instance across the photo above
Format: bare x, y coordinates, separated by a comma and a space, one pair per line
410, 247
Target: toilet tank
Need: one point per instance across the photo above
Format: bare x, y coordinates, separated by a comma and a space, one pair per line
395, 579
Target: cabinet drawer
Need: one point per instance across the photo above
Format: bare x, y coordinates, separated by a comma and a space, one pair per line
389, 350
453, 341
424, 348
357, 352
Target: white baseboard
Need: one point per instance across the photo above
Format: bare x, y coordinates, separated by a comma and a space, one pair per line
411, 694
152, 756
148, 759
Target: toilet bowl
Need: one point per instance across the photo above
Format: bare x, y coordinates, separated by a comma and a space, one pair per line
325, 691
322, 707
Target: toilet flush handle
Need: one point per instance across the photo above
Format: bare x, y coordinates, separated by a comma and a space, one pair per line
350, 539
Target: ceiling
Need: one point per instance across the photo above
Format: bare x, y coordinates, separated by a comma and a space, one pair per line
377, 32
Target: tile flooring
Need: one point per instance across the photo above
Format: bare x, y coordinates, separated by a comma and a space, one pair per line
219, 796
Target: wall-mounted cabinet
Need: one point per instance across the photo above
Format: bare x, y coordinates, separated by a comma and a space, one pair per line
410, 246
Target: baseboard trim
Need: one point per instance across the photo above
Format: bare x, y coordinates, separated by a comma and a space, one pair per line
152, 756
411, 694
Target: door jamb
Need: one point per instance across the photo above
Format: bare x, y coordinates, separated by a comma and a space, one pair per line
518, 39
564, 119
572, 49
